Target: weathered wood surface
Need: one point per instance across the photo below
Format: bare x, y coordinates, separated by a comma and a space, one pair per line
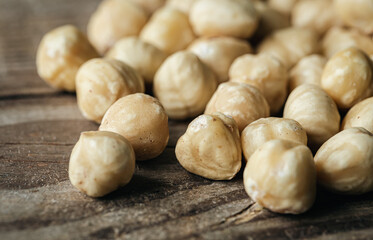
39, 126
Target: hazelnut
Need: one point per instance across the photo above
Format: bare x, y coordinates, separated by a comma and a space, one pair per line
266, 73
60, 54
184, 85
289, 45
318, 15
184, 5
142, 120
168, 30
149, 6
283, 6
101, 82
308, 70
347, 77
345, 162
142, 56
338, 39
317, 113
113, 20
281, 176
101, 162
358, 14
219, 53
266, 129
235, 18
241, 101
211, 147
360, 115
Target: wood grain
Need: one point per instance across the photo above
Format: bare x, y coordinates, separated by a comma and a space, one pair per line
39, 126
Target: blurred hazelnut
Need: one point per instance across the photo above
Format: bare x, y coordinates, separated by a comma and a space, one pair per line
360, 115
289, 45
283, 6
60, 54
235, 18
101, 162
142, 56
211, 147
241, 101
184, 5
308, 70
347, 77
149, 6
101, 82
169, 30
281, 176
184, 85
345, 162
317, 113
265, 129
142, 120
219, 53
113, 20
266, 73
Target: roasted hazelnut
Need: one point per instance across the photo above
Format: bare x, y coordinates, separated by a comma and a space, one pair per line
219, 53
113, 20
358, 14
184, 85
360, 115
345, 162
317, 113
266, 73
347, 77
308, 70
60, 54
142, 120
266, 129
101, 162
241, 101
281, 176
235, 18
289, 45
101, 82
211, 147
169, 30
142, 56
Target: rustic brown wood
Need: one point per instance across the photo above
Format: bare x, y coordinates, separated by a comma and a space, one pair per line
39, 126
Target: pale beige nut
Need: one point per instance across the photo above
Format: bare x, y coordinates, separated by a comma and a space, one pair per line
317, 113
266, 73
283, 6
266, 129
318, 15
184, 5
101, 82
270, 20
235, 18
308, 70
184, 85
347, 77
345, 162
169, 30
60, 54
338, 39
219, 53
149, 6
289, 45
113, 20
357, 14
360, 115
101, 162
281, 176
211, 147
143, 57
142, 120
243, 102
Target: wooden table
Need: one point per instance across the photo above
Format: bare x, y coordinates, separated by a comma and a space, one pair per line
39, 126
